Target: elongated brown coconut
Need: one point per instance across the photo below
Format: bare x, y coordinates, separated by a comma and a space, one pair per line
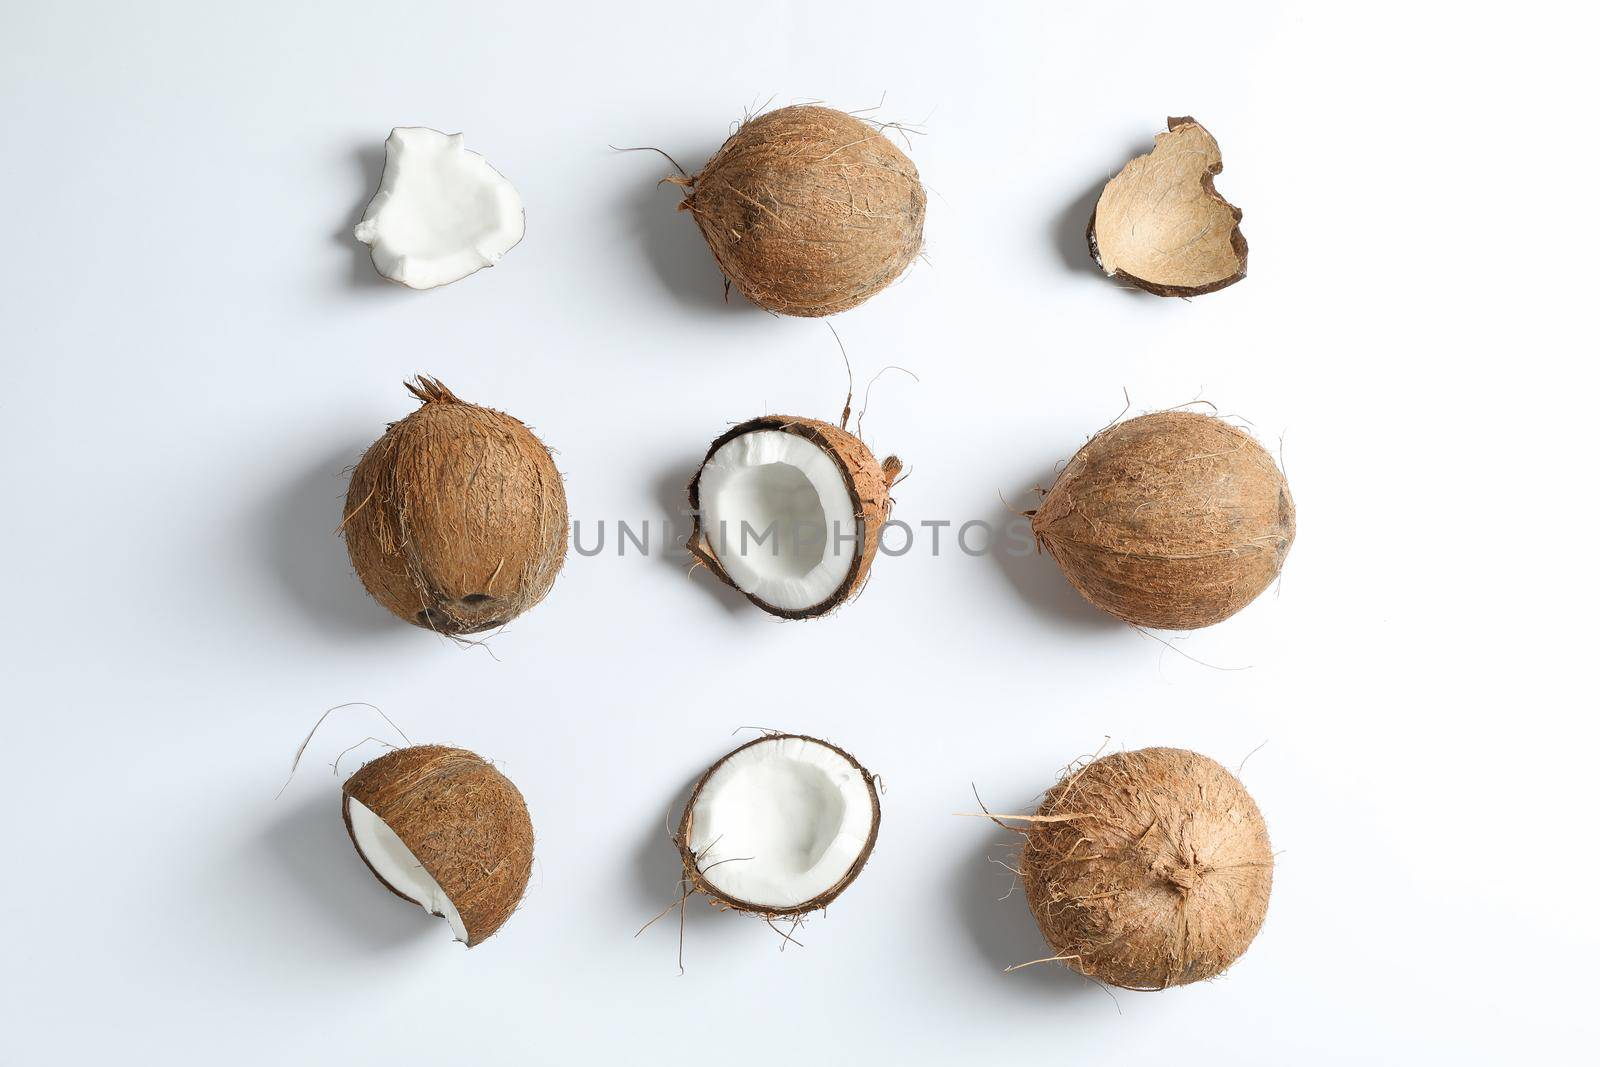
788, 511
456, 518
442, 828
779, 826
1155, 873
809, 211
1160, 223
1172, 520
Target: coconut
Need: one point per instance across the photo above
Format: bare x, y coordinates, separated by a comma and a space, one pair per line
779, 826
809, 211
442, 828
788, 511
1173, 520
456, 518
1160, 223
1148, 869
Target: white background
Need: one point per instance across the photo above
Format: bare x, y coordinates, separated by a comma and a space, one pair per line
194, 350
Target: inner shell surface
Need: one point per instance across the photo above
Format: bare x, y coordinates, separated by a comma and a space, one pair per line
394, 863
780, 823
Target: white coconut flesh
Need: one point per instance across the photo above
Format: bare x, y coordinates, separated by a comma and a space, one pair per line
393, 862
778, 514
440, 213
780, 823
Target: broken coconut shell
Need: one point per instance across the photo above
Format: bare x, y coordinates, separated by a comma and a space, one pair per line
808, 211
1160, 224
866, 483
1172, 520
697, 865
456, 518
1152, 869
464, 822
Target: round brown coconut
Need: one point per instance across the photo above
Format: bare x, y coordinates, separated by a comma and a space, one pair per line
1172, 520
868, 483
463, 820
456, 518
1154, 872
809, 211
695, 876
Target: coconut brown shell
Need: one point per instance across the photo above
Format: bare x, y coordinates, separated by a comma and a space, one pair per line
456, 518
462, 819
1172, 520
868, 482
1160, 223
1158, 873
691, 867
809, 211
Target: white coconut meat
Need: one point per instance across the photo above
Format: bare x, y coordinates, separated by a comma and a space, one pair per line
392, 861
440, 213
779, 515
779, 823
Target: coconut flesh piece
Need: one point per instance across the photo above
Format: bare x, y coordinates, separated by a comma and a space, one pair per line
392, 862
440, 213
780, 826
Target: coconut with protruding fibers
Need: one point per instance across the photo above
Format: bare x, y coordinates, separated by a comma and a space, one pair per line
779, 826
1160, 223
1172, 520
809, 211
442, 828
788, 511
456, 518
1150, 869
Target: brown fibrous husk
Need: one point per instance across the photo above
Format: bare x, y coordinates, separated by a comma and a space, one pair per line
456, 518
1161, 225
868, 482
695, 881
809, 211
463, 820
1172, 520
1152, 869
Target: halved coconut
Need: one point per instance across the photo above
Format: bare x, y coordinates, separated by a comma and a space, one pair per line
788, 511
440, 213
444, 829
779, 826
1160, 223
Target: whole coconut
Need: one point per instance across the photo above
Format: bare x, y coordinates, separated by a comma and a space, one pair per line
1173, 520
809, 211
1154, 872
456, 518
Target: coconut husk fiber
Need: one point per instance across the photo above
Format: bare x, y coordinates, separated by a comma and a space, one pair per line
1161, 224
1155, 871
808, 211
463, 820
868, 482
456, 518
1173, 520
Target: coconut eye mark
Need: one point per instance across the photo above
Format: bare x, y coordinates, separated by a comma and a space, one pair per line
476, 598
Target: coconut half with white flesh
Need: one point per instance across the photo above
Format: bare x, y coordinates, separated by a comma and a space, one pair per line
788, 511
779, 826
440, 213
443, 828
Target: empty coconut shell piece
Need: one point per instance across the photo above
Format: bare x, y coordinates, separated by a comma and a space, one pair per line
441, 827
1172, 520
456, 518
1160, 223
788, 511
809, 211
1150, 869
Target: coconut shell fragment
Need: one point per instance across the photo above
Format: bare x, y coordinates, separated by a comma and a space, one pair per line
809, 211
1172, 520
463, 821
1148, 869
456, 518
1160, 223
